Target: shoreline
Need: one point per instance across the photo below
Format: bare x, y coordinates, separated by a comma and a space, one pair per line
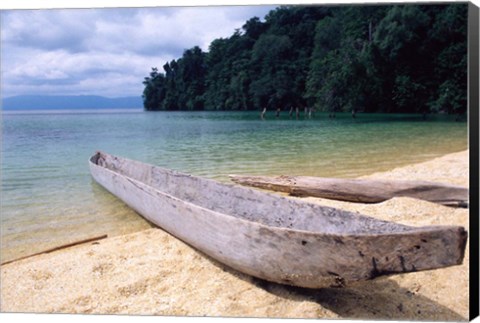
151, 272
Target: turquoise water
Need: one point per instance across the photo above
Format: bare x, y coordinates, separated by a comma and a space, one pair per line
48, 197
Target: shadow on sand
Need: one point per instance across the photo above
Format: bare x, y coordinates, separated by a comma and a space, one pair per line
380, 299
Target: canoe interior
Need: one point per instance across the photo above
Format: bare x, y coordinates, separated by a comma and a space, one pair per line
251, 205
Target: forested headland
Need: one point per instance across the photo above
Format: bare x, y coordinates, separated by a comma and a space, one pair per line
372, 58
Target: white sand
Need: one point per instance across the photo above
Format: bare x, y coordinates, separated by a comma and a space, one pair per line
151, 272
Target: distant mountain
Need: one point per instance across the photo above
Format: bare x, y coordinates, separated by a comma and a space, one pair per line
45, 102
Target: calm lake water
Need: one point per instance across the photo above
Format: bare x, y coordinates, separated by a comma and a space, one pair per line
48, 197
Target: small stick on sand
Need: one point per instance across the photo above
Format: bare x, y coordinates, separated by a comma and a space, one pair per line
57, 248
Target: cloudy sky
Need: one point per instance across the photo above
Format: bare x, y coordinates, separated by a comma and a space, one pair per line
104, 52
109, 51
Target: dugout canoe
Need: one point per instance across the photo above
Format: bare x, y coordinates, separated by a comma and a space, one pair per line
275, 238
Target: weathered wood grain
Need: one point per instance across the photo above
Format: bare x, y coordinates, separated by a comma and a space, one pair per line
359, 190
275, 238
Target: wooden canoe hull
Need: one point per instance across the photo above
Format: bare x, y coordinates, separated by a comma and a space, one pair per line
277, 253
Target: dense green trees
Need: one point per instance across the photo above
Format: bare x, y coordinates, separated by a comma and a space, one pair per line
396, 58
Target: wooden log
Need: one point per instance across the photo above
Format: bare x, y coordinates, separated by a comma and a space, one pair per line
64, 246
359, 190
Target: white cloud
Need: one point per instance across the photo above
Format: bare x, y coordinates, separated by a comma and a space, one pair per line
59, 72
47, 29
104, 51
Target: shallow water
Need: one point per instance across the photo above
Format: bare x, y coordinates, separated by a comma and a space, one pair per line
48, 197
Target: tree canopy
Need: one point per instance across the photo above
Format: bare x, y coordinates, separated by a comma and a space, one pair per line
374, 58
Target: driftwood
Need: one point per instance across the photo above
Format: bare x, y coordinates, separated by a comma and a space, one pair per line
68, 245
359, 190
279, 239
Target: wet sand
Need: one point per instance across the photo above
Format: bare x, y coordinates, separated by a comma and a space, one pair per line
151, 272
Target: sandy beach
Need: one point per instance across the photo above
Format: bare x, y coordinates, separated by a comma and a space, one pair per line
151, 272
